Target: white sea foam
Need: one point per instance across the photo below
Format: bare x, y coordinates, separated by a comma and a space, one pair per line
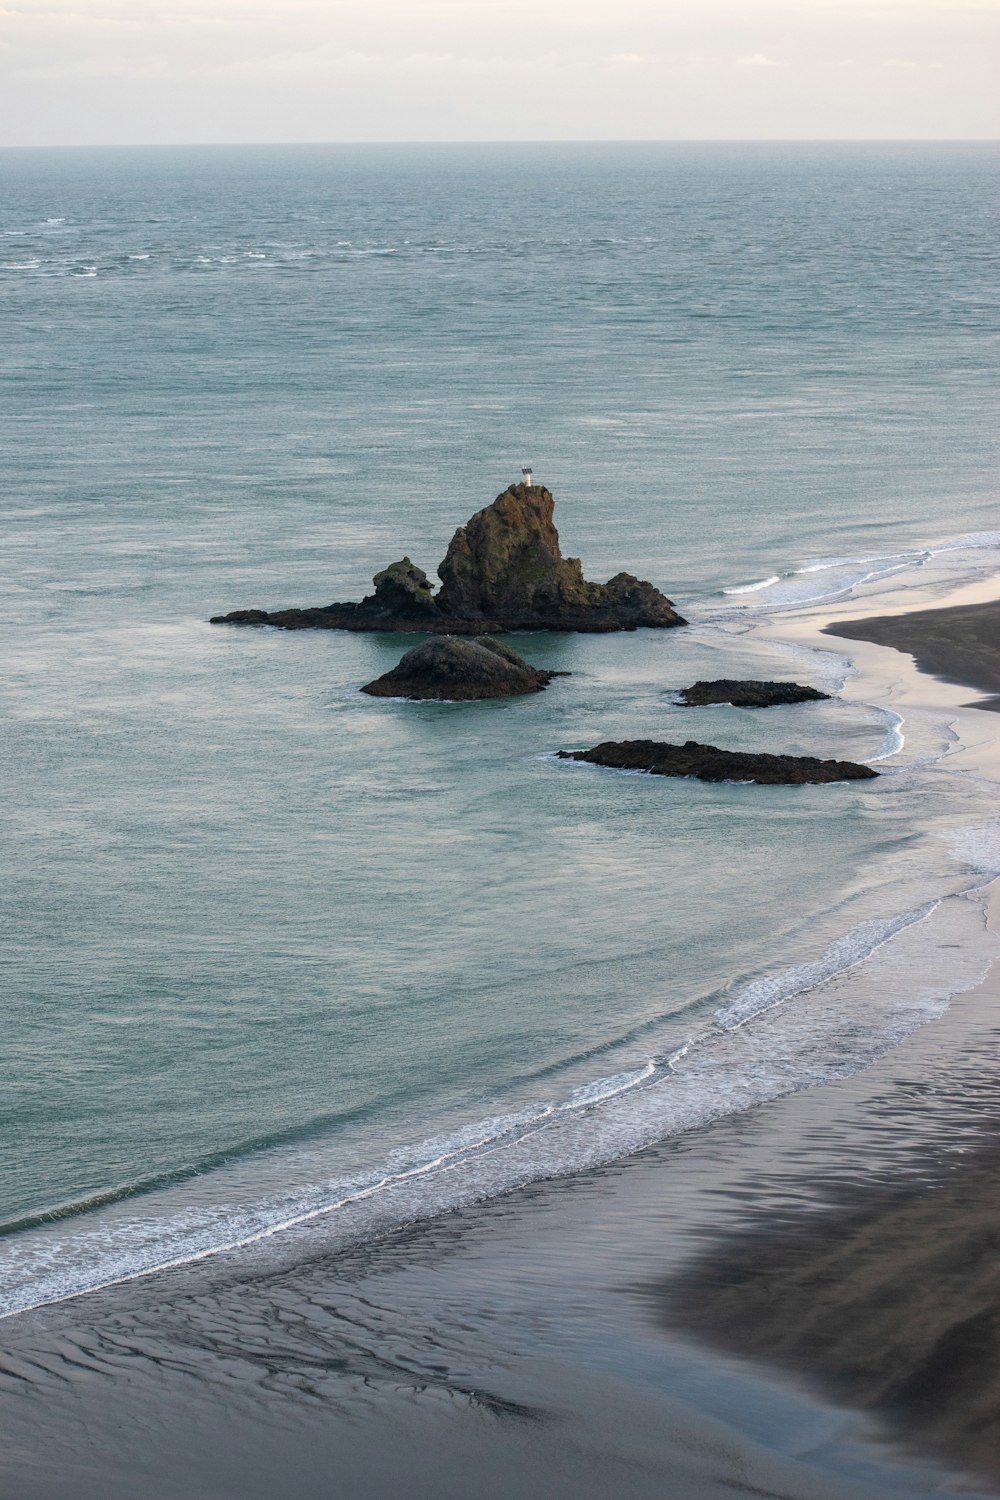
606, 1088
971, 541
753, 588
978, 847
89, 1260
894, 740
844, 953
840, 577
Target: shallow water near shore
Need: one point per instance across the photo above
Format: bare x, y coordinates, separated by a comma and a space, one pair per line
521, 1341
291, 966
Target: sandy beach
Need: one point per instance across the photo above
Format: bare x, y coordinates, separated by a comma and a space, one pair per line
890, 1298
960, 644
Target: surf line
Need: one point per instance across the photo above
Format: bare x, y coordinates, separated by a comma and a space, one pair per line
447, 1161
799, 980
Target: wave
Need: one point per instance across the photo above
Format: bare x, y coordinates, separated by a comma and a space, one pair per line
844, 953
978, 848
794, 588
753, 588
970, 540
115, 1265
894, 740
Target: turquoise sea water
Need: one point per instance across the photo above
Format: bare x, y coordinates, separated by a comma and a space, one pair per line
272, 946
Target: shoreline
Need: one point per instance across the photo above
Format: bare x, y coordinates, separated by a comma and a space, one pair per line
889, 1298
521, 1339
959, 644
884, 1295
341, 1334
890, 677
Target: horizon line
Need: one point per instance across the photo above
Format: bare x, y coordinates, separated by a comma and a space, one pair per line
762, 140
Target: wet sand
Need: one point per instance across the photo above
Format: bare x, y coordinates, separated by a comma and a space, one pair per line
890, 1300
959, 644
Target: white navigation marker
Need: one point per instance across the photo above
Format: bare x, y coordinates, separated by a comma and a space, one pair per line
526, 476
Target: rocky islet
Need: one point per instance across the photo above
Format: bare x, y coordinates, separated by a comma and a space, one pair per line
747, 693
709, 763
503, 570
455, 669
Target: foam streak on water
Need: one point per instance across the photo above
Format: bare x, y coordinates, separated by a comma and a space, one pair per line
843, 953
960, 558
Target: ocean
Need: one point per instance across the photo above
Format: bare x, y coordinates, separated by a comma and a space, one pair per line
277, 954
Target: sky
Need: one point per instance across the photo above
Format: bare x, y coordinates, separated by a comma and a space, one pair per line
198, 71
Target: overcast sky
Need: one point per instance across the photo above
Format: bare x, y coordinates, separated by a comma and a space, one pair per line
133, 71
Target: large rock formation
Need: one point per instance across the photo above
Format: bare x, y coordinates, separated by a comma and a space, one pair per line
454, 669
503, 571
506, 564
747, 694
709, 763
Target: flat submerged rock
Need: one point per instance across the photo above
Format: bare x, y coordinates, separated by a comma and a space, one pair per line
709, 763
457, 670
748, 693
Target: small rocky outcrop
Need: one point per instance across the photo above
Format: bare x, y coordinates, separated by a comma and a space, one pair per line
402, 589
709, 763
455, 669
503, 571
747, 694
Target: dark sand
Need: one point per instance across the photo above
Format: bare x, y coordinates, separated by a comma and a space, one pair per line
961, 645
890, 1300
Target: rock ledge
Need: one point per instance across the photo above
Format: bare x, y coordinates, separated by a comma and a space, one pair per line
747, 694
709, 763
